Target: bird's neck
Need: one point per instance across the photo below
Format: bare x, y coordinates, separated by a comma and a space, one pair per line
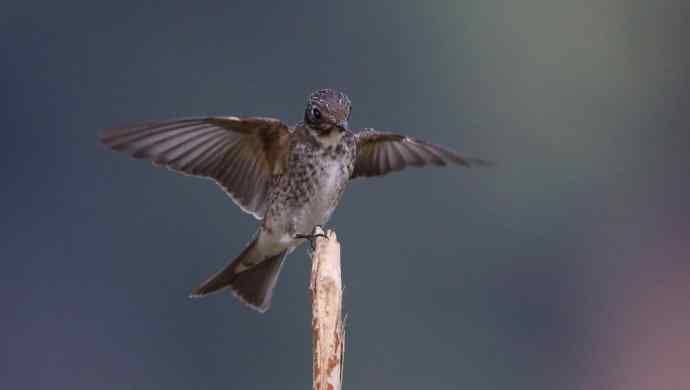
324, 140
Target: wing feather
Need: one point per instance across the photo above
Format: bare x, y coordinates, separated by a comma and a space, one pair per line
240, 154
379, 153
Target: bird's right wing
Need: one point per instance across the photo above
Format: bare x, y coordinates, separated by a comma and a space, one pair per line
240, 154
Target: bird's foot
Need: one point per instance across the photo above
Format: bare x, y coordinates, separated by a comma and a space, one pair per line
311, 236
316, 233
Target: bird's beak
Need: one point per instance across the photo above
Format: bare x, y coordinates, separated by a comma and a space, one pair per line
343, 126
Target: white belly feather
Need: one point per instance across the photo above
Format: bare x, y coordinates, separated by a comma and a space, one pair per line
315, 211
319, 209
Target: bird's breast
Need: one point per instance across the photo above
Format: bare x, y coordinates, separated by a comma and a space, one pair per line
329, 179
307, 194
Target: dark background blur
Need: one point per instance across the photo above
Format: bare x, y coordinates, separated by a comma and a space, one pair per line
566, 265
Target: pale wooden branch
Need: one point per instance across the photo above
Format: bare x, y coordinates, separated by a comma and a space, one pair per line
328, 329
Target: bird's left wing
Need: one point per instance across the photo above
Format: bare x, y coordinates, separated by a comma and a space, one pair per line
379, 153
240, 154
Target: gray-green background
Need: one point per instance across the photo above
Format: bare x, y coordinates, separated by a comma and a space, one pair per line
553, 269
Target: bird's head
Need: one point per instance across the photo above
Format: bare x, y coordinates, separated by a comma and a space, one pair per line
327, 113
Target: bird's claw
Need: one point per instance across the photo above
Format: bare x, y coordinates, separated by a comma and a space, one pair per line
311, 236
316, 233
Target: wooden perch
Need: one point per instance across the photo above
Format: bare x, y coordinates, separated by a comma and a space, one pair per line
328, 329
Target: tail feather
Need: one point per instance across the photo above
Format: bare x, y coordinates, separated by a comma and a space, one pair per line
224, 277
253, 285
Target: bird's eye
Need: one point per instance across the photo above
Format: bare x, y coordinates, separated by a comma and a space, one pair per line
316, 114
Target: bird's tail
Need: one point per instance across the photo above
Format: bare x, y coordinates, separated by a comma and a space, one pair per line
252, 284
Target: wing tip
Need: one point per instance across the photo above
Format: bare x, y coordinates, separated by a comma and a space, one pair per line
473, 162
105, 136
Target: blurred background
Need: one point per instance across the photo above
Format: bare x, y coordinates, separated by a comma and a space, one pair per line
566, 265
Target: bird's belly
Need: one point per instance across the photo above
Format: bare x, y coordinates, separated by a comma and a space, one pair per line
304, 198
317, 210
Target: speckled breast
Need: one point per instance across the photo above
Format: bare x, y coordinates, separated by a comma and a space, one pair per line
311, 188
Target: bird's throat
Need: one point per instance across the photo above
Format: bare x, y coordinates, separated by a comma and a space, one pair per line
330, 137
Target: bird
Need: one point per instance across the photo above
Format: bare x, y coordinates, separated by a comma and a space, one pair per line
291, 178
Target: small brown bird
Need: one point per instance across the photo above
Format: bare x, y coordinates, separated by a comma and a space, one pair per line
290, 178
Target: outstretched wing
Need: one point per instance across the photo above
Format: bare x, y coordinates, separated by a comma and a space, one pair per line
379, 153
240, 154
